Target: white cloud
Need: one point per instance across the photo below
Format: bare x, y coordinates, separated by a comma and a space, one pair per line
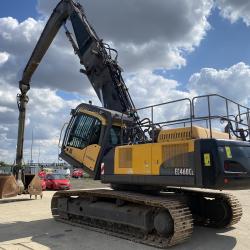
58, 70
149, 56
231, 82
46, 113
3, 57
235, 10
148, 88
144, 39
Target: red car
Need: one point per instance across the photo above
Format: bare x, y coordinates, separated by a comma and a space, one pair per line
77, 173
57, 181
42, 175
43, 183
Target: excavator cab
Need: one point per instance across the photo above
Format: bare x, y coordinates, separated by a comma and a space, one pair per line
91, 133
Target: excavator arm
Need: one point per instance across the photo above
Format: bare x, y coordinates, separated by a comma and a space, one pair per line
59, 15
100, 67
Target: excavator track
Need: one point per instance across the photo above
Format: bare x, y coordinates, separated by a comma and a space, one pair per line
178, 210
219, 210
233, 210
236, 209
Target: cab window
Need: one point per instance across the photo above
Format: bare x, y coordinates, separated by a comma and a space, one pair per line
85, 131
115, 136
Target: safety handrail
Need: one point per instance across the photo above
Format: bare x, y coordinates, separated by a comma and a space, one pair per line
191, 117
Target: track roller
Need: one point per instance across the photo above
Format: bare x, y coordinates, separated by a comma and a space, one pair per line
159, 221
212, 209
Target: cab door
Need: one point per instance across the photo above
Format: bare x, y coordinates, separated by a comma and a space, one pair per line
82, 144
93, 149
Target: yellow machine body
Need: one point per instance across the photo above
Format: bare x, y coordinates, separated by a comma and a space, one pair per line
86, 156
173, 146
145, 159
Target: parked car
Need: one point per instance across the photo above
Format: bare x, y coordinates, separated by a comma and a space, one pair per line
43, 183
77, 173
42, 175
57, 181
63, 171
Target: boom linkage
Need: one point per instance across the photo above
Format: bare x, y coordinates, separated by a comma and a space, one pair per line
102, 70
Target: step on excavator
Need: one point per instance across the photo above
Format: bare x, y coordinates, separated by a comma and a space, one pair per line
165, 174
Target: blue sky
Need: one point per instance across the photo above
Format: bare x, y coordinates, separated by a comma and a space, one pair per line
145, 44
225, 44
18, 9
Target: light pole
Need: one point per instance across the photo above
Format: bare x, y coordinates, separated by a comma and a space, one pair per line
31, 148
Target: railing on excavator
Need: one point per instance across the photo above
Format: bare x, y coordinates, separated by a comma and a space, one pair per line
211, 111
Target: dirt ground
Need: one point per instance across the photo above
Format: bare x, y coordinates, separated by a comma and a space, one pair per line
28, 224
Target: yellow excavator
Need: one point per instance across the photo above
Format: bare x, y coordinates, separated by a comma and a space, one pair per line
165, 174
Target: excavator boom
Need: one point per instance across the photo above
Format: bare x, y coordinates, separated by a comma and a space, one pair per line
101, 69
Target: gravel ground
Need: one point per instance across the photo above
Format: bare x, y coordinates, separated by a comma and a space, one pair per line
28, 224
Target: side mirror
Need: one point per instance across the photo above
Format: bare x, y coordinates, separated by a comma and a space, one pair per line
73, 112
